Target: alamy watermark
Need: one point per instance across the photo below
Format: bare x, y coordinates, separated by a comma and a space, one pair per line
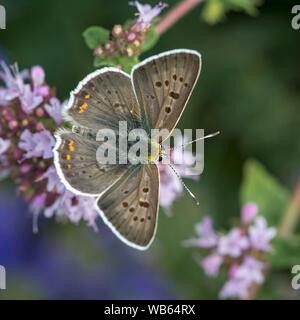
2, 17
2, 278
296, 19
296, 278
138, 146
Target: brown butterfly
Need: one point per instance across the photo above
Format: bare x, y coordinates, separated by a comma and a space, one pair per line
153, 97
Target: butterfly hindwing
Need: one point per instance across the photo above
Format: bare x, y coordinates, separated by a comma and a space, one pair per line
102, 99
75, 159
163, 85
130, 206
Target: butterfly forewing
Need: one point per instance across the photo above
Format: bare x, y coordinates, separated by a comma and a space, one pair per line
77, 164
163, 85
130, 206
102, 99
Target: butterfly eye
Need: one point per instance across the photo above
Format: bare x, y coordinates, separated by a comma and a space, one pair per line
160, 159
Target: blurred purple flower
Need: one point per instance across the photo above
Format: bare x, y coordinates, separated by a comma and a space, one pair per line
38, 80
250, 270
211, 264
4, 145
238, 250
260, 235
37, 144
54, 109
234, 288
243, 277
170, 185
29, 100
84, 210
3, 101
37, 76
16, 88
248, 212
206, 236
64, 206
54, 183
13, 81
38, 203
31, 147
233, 243
146, 13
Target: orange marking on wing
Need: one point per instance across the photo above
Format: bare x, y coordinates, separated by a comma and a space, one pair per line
88, 96
71, 145
68, 157
83, 107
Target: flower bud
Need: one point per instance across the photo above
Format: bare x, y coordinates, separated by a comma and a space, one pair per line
117, 30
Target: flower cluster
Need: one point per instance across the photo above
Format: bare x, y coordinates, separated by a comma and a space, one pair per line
126, 41
241, 251
30, 113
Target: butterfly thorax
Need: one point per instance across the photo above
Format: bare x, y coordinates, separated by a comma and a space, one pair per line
156, 152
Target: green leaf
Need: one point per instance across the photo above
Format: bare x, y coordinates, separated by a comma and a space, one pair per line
248, 6
151, 39
127, 63
285, 253
104, 62
95, 36
215, 10
261, 187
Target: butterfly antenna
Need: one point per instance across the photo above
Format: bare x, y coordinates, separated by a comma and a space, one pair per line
202, 138
184, 185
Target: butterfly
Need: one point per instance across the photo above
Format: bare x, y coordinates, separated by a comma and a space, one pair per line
153, 96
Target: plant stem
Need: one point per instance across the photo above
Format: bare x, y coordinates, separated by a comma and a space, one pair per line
291, 215
176, 13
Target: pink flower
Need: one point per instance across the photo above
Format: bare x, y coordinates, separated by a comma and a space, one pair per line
4, 145
146, 13
250, 270
51, 197
38, 80
234, 288
54, 183
13, 80
54, 109
248, 212
29, 100
3, 100
260, 235
37, 76
16, 88
38, 144
170, 185
65, 208
211, 264
233, 244
64, 205
38, 203
207, 238
243, 277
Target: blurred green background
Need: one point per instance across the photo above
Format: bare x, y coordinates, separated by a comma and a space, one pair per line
249, 89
